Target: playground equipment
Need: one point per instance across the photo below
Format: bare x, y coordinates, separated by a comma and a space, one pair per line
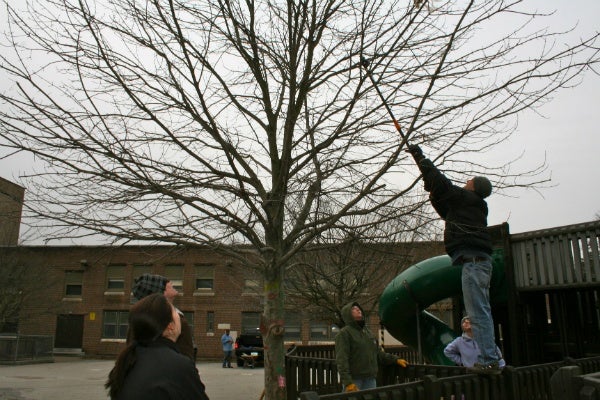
544, 293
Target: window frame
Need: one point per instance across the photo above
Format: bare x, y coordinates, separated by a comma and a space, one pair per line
175, 273
250, 322
71, 281
115, 271
206, 273
121, 324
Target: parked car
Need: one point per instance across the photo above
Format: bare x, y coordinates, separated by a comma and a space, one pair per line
249, 349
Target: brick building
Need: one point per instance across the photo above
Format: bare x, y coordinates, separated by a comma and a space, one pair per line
81, 295
11, 205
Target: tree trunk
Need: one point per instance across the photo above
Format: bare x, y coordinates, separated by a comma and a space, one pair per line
272, 328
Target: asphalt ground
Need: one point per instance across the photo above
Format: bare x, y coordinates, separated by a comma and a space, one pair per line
83, 379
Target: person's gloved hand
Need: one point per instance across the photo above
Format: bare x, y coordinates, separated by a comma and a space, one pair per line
352, 388
415, 151
402, 362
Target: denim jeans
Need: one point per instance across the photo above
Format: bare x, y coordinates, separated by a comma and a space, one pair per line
476, 278
366, 383
227, 358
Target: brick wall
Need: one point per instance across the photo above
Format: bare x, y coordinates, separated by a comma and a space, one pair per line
11, 205
47, 300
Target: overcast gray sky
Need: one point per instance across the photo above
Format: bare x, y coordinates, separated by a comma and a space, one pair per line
566, 134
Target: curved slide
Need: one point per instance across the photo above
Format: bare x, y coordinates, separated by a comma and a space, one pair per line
421, 285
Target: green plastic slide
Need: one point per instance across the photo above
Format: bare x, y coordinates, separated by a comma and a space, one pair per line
420, 286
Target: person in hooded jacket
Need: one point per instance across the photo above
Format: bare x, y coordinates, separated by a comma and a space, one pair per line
151, 366
468, 243
357, 353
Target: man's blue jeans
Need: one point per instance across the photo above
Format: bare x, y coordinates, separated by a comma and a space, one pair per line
365, 383
227, 358
476, 278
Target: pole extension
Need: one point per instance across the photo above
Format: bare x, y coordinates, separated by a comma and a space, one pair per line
365, 64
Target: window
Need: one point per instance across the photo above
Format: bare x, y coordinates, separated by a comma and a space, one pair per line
322, 331
189, 317
250, 322
174, 273
293, 326
114, 324
205, 278
141, 269
210, 322
252, 286
73, 283
115, 278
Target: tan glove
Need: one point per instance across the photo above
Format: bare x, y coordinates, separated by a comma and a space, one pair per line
352, 388
402, 362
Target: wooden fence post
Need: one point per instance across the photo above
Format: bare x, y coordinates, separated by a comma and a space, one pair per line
433, 389
561, 383
309, 396
512, 382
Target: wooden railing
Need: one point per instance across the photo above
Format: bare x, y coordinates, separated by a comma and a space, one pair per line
312, 379
557, 257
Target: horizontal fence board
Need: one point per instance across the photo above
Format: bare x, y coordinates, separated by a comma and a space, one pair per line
554, 257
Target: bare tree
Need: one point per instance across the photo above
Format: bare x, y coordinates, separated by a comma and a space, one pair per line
224, 122
20, 285
327, 275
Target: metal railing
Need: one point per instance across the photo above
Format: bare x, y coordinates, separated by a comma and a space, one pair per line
16, 349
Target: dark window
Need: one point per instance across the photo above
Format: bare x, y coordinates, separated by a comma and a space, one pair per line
210, 321
322, 331
205, 277
189, 317
250, 322
252, 286
141, 269
293, 326
73, 290
115, 278
174, 273
114, 324
73, 283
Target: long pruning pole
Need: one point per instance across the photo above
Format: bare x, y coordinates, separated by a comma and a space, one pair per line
365, 64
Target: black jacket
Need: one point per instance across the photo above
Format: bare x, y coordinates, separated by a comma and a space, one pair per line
464, 211
162, 373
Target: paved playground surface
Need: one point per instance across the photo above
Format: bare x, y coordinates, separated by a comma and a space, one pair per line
77, 379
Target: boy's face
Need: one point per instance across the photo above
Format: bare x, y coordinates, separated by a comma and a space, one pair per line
356, 313
466, 325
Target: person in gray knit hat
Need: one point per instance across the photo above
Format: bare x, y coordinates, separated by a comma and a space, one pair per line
482, 186
469, 244
147, 284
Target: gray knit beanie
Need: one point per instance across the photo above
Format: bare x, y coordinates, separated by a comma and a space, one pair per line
483, 186
147, 284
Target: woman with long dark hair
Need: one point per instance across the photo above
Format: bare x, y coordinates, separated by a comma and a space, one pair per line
151, 367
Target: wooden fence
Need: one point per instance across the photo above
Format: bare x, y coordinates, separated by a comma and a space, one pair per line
313, 379
567, 256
